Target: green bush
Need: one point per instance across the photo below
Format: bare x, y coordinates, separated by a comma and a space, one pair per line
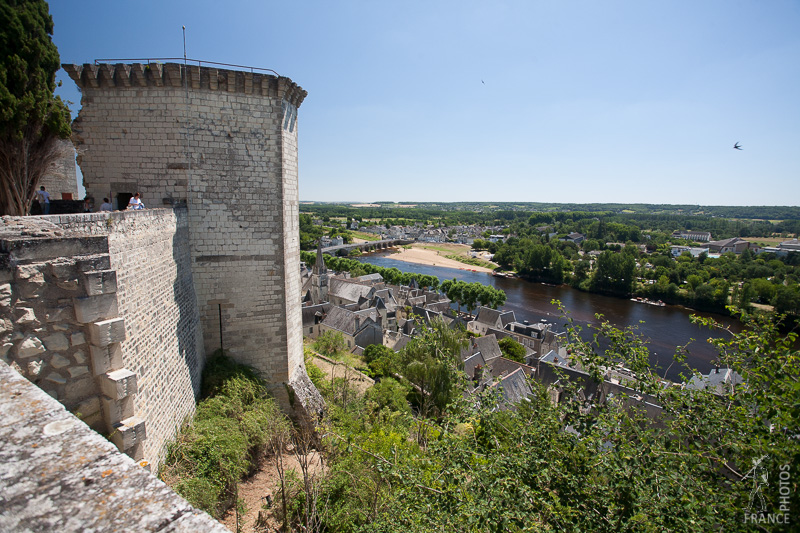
316, 375
391, 394
512, 349
330, 343
231, 430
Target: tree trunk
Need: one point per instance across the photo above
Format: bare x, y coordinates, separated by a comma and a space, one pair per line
23, 162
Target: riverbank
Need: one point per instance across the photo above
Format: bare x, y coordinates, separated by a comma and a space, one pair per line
663, 328
422, 254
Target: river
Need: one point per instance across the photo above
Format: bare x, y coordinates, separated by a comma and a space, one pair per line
664, 328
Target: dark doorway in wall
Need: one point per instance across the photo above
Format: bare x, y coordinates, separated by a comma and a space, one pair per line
122, 200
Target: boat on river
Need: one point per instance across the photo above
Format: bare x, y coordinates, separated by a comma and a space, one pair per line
657, 303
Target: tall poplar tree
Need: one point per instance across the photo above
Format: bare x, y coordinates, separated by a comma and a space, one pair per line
32, 119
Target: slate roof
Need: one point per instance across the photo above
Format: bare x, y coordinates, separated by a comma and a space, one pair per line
344, 320
471, 362
487, 315
431, 296
554, 359
416, 301
305, 288
395, 340
487, 345
371, 313
440, 306
347, 290
502, 366
572, 363
386, 296
717, 381
515, 387
370, 278
312, 311
494, 317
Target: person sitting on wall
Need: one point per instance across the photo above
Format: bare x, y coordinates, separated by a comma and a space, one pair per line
106, 205
135, 202
88, 204
44, 200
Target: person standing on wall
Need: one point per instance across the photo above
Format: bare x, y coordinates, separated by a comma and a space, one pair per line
135, 202
43, 198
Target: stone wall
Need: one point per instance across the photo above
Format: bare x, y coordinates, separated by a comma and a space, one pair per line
131, 301
62, 178
45, 274
58, 475
224, 142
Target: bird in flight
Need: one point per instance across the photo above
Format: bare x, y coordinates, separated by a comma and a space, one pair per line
736, 146
483, 82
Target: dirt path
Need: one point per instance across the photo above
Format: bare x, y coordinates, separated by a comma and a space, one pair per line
265, 484
262, 486
339, 370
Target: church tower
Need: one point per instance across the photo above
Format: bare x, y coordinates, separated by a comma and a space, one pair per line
319, 278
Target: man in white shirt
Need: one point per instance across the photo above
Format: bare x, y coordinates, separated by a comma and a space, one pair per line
135, 202
44, 200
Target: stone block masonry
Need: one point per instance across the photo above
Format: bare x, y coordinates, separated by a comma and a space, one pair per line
61, 180
223, 142
110, 325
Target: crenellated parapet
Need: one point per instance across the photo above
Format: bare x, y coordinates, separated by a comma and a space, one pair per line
122, 75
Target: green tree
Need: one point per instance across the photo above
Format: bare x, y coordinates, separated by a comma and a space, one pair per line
429, 362
330, 343
787, 299
614, 273
32, 119
609, 468
512, 349
764, 290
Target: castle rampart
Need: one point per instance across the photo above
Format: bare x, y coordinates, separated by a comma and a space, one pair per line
223, 142
99, 311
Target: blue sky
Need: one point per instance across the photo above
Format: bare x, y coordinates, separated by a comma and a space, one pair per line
559, 101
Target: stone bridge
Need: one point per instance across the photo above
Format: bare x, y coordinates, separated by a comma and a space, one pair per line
370, 246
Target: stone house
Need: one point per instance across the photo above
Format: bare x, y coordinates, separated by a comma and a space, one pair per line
487, 318
358, 329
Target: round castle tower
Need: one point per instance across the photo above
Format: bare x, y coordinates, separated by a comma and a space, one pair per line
223, 142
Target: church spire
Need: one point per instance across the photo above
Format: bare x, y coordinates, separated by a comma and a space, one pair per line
319, 265
319, 279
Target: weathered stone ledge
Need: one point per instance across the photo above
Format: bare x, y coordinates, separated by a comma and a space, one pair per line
56, 474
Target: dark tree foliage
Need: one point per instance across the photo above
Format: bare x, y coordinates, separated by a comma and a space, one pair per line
614, 273
32, 119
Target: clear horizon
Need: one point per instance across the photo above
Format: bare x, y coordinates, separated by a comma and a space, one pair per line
568, 102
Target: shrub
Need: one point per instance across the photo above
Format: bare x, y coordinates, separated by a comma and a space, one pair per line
512, 349
391, 394
232, 428
330, 343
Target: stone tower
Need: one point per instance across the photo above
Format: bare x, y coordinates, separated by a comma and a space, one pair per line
224, 143
319, 279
